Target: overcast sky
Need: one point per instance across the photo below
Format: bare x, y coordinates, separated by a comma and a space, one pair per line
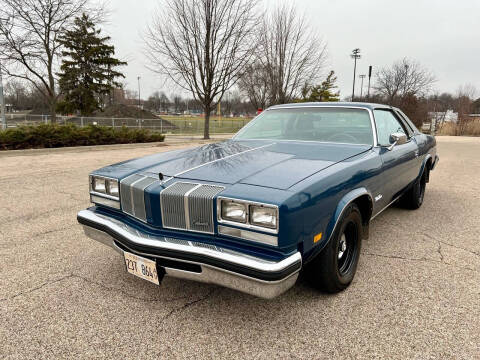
443, 35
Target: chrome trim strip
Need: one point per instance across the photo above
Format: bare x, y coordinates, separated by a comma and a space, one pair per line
390, 203
226, 255
131, 194
185, 204
105, 201
94, 193
226, 157
247, 224
248, 235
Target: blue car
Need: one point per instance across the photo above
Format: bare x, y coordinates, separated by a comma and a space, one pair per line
293, 191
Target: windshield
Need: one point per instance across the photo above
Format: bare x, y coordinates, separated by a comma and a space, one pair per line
339, 125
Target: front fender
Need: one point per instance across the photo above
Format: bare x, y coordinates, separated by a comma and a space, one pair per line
346, 200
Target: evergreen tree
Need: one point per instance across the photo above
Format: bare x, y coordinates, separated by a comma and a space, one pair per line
323, 92
88, 68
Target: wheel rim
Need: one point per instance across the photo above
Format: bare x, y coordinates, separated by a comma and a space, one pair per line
347, 247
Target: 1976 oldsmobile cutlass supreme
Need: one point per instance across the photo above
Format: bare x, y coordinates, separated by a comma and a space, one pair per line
293, 190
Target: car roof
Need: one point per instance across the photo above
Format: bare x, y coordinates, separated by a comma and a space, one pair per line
339, 104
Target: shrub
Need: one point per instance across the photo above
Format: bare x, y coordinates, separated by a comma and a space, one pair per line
53, 135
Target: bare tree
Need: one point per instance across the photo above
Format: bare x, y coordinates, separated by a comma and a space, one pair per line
291, 52
202, 45
464, 104
29, 47
255, 84
404, 78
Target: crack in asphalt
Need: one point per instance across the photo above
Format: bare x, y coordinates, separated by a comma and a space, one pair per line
37, 287
419, 259
454, 246
439, 251
187, 305
89, 281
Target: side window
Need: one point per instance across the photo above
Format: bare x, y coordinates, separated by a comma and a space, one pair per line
409, 122
387, 124
404, 122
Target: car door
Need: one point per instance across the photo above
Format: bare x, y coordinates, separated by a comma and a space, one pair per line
398, 162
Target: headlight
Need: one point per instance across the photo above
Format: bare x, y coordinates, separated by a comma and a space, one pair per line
234, 211
263, 216
99, 185
112, 187
103, 185
249, 214
104, 191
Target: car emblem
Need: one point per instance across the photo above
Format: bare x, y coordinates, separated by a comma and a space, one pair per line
200, 223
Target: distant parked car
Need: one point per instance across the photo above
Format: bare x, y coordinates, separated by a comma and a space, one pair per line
295, 189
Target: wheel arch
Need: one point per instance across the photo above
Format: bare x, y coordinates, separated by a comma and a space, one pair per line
360, 197
426, 166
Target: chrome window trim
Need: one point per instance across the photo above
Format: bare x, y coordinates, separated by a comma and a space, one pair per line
370, 112
187, 224
252, 236
247, 224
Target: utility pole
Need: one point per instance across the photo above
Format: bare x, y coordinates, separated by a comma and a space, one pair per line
2, 102
138, 79
369, 78
406, 75
363, 76
355, 55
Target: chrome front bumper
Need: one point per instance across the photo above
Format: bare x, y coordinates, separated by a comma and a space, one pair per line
221, 266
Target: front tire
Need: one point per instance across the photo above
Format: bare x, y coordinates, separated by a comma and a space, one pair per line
334, 268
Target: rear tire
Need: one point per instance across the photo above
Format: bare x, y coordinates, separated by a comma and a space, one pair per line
413, 198
334, 268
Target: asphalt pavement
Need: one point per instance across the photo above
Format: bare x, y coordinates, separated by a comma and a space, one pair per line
416, 293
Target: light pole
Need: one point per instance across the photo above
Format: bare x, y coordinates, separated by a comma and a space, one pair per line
369, 78
2, 102
361, 87
355, 55
138, 79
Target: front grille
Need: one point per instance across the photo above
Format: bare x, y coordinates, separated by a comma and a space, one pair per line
132, 195
188, 206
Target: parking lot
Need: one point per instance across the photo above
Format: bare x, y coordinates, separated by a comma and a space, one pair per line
416, 293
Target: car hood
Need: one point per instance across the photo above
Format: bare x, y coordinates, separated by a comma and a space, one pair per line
272, 164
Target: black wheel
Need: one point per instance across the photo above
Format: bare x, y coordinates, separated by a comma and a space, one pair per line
413, 198
334, 268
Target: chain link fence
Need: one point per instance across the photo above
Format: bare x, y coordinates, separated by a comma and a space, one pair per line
167, 125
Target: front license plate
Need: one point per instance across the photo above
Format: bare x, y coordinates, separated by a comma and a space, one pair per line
141, 267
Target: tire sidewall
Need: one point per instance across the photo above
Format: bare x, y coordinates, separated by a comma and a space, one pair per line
352, 214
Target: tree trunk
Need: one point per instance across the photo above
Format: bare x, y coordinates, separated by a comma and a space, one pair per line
53, 111
206, 129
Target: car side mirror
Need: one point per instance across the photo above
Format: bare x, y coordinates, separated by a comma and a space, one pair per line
397, 138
